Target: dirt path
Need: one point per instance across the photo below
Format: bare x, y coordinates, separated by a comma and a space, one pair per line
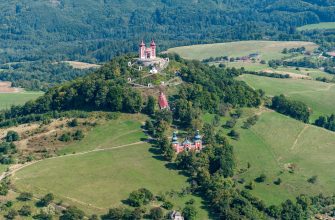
17, 167
298, 137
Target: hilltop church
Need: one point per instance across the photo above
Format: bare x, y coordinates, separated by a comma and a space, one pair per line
147, 53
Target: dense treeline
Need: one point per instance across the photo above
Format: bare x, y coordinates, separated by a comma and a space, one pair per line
208, 86
39, 75
294, 109
32, 30
327, 122
307, 62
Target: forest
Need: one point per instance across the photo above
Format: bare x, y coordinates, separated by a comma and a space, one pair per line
33, 30
53, 31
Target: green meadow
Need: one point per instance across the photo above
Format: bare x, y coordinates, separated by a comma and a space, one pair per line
319, 26
9, 99
277, 142
267, 49
257, 67
98, 180
318, 96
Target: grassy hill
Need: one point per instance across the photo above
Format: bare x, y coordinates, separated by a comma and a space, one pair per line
9, 99
97, 180
267, 49
276, 143
281, 147
317, 95
319, 26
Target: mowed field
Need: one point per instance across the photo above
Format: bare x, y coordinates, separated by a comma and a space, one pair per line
96, 180
319, 26
267, 49
317, 95
277, 142
9, 99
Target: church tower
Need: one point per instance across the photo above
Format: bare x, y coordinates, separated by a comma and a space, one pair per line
153, 49
197, 141
142, 50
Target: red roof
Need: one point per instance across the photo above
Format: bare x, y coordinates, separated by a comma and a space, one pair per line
142, 44
153, 43
162, 101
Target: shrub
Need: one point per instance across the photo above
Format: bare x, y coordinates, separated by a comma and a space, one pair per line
25, 210
190, 212
12, 136
78, 135
140, 197
46, 200
261, 178
72, 213
65, 137
234, 134
250, 186
167, 205
25, 196
313, 179
11, 214
277, 181
73, 123
230, 123
156, 213
250, 121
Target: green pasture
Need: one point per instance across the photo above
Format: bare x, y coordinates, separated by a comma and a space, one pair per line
319, 26
9, 99
98, 180
257, 67
267, 49
317, 95
275, 143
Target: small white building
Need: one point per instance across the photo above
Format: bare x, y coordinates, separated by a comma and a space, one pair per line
175, 215
153, 70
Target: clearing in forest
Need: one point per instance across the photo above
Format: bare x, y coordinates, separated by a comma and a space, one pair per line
267, 50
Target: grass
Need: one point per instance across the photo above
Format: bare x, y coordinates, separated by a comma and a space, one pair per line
97, 181
317, 95
277, 141
319, 26
267, 49
257, 67
9, 99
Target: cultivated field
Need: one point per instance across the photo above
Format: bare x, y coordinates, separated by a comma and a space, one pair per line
267, 49
277, 144
319, 26
113, 162
9, 99
317, 95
